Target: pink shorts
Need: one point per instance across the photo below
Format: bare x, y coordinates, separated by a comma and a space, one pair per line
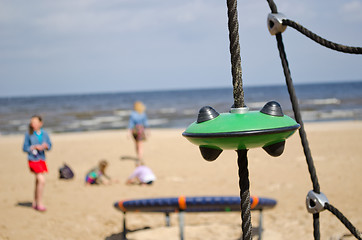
38, 166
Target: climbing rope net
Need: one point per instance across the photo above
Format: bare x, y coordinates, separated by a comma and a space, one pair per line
316, 201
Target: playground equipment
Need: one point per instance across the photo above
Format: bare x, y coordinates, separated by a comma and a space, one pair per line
241, 130
184, 204
208, 124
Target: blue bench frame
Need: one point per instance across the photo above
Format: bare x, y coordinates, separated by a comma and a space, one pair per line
184, 204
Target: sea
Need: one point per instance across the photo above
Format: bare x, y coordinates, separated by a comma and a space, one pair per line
338, 101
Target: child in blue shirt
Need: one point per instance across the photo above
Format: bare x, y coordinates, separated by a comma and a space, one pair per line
137, 126
36, 142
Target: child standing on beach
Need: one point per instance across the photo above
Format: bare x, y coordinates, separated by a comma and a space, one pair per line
36, 142
137, 127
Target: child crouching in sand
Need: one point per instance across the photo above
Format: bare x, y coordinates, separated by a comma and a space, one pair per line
141, 175
98, 175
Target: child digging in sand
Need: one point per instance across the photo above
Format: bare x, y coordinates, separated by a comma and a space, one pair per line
36, 142
98, 175
141, 175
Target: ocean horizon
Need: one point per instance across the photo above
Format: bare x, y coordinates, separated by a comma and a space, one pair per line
337, 101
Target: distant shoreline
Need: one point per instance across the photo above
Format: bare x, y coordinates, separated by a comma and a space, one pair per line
246, 86
319, 102
320, 126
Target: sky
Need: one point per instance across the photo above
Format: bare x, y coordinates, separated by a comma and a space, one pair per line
90, 46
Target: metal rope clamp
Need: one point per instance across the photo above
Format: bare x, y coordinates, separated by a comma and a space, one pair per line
275, 23
315, 202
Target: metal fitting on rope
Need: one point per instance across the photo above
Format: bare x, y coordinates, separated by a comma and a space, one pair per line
241, 110
275, 23
315, 202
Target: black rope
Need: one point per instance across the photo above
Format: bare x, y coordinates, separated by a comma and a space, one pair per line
320, 40
302, 133
244, 185
272, 6
235, 54
344, 220
298, 118
316, 228
238, 93
297, 114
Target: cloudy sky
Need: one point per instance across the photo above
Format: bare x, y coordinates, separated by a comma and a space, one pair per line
83, 46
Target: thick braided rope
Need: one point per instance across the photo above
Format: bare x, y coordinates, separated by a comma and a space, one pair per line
344, 220
235, 54
238, 93
320, 40
244, 194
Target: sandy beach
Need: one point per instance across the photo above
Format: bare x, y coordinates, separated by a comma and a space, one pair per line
76, 211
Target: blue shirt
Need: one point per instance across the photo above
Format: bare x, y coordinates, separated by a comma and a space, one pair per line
36, 139
137, 119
